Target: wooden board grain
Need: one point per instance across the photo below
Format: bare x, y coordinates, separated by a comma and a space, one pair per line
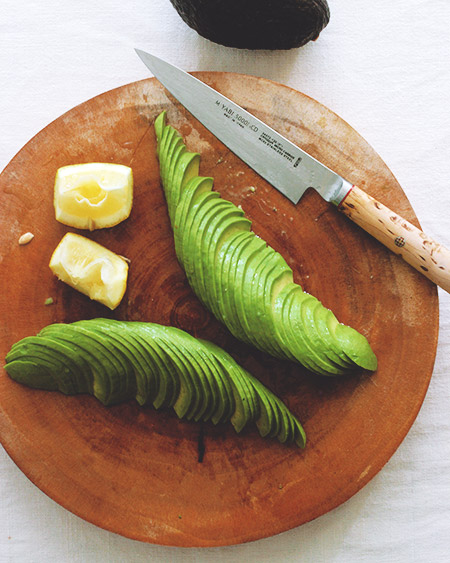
137, 472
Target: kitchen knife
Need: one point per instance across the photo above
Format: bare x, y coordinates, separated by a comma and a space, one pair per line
292, 171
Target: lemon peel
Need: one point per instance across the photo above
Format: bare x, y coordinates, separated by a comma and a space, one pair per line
90, 268
93, 195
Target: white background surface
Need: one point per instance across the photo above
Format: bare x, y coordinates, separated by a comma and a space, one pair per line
382, 66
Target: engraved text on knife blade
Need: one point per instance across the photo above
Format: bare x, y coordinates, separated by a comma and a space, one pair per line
262, 136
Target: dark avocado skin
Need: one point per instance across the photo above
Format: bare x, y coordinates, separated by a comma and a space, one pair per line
157, 365
256, 24
246, 284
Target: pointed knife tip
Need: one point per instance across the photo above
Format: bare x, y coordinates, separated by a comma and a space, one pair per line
146, 58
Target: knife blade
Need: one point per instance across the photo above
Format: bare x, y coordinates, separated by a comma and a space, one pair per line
292, 171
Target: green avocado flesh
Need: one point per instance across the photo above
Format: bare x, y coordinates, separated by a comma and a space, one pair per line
245, 283
157, 365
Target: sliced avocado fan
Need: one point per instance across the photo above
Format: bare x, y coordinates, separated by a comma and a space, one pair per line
157, 365
245, 283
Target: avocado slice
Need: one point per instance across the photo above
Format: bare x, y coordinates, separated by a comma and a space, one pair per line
193, 262
48, 366
81, 368
268, 422
356, 347
162, 130
213, 392
225, 220
199, 374
254, 280
124, 385
258, 299
70, 379
195, 192
219, 267
169, 134
104, 372
299, 433
176, 174
231, 261
187, 168
169, 141
36, 374
245, 402
279, 277
175, 161
242, 413
275, 419
144, 371
190, 396
265, 422
174, 149
218, 218
169, 383
300, 327
231, 226
204, 203
284, 431
277, 416
225, 401
166, 374
119, 353
317, 343
243, 278
218, 390
334, 350
287, 433
159, 124
295, 350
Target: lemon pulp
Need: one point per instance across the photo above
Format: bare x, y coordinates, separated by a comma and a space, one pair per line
93, 195
90, 268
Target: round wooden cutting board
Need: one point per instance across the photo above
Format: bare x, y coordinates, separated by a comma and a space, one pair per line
145, 474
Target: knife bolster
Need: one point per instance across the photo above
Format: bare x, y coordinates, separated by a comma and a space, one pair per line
340, 193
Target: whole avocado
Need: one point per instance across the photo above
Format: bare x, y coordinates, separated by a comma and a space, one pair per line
256, 24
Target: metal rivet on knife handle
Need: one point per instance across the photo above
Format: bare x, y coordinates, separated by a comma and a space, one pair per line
414, 246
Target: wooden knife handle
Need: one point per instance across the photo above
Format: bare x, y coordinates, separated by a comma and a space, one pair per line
415, 247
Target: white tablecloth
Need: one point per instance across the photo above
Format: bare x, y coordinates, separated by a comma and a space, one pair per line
382, 66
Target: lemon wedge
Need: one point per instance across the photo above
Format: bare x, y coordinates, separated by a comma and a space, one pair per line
93, 195
90, 268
